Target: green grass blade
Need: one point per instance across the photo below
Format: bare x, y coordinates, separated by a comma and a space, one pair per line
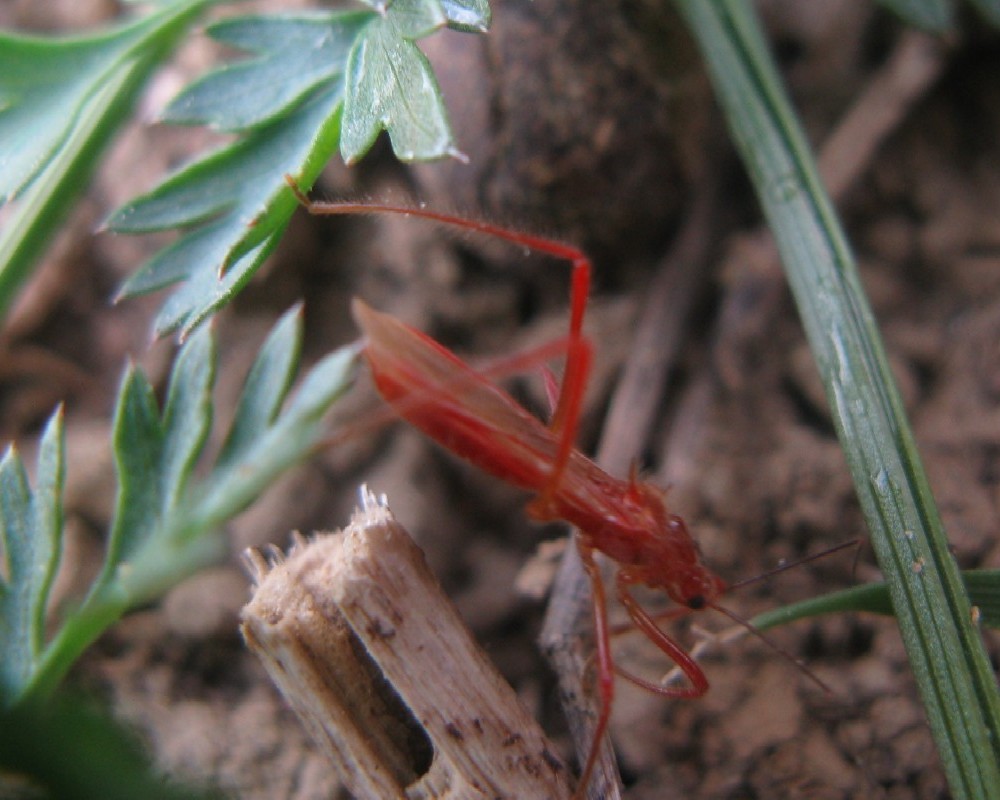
947, 657
983, 586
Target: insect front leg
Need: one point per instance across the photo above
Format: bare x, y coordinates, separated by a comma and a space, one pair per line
645, 623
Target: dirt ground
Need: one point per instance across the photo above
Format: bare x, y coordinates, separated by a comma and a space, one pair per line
613, 155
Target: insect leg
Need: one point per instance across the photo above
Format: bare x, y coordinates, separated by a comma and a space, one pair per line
645, 623
605, 665
579, 351
579, 358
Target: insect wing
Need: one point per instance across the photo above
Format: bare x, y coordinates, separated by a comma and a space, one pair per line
436, 392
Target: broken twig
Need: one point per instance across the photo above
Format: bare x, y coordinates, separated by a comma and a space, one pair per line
357, 634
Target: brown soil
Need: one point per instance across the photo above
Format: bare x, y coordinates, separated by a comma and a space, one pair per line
742, 434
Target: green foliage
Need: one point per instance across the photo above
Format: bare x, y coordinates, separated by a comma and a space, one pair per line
292, 55
316, 81
233, 189
61, 102
310, 85
46, 84
71, 751
313, 82
32, 539
166, 524
390, 85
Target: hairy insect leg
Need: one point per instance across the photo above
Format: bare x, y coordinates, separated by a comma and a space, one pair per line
606, 668
579, 351
579, 357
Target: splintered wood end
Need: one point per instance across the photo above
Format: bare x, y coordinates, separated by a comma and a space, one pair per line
358, 636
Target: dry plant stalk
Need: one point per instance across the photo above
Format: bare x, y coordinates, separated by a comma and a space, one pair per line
376, 662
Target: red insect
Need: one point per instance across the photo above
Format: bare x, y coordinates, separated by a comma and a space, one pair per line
627, 520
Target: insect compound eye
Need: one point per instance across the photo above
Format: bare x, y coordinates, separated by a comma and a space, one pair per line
696, 603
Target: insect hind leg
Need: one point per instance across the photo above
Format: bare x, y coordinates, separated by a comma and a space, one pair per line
579, 351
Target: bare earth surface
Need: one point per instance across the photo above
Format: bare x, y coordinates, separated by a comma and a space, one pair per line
611, 155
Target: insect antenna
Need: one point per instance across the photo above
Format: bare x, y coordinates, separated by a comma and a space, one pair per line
792, 564
751, 628
748, 626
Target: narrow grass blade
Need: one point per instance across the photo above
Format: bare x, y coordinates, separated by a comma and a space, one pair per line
983, 586
948, 660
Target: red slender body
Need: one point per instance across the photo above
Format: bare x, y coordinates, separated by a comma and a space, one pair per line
462, 410
626, 520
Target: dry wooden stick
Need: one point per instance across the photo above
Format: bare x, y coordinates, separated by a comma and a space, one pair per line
372, 656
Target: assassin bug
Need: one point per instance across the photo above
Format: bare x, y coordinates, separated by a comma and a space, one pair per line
461, 409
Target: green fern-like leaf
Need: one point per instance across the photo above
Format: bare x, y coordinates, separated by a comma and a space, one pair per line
32, 544
233, 191
292, 55
314, 82
166, 524
391, 87
61, 101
